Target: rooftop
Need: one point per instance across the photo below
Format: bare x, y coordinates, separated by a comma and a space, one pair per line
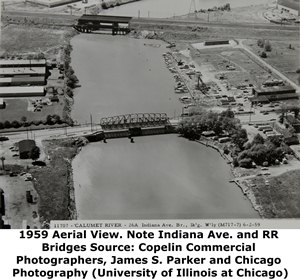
106, 18
275, 88
23, 79
23, 71
10, 62
21, 89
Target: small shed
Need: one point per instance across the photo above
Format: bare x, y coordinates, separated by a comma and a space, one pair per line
25, 147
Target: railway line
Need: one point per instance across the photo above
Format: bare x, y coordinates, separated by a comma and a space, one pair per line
69, 20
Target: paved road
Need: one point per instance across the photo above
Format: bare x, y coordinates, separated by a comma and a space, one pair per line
51, 133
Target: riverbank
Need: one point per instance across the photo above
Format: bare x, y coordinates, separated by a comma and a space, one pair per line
54, 183
244, 188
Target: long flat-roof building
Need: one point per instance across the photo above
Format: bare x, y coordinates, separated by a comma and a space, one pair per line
22, 80
11, 63
21, 91
21, 71
273, 94
291, 6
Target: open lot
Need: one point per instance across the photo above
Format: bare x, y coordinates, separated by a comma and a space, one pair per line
282, 57
34, 40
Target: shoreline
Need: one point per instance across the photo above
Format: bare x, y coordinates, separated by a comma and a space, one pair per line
245, 190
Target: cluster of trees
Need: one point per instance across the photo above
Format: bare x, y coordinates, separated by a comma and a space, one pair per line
50, 120
262, 152
53, 119
35, 153
203, 120
266, 45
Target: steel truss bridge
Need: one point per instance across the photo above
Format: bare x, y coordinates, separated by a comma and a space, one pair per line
134, 120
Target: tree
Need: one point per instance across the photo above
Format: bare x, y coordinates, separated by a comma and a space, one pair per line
49, 120
7, 124
245, 163
240, 138
263, 55
2, 159
261, 42
268, 46
35, 153
258, 139
15, 124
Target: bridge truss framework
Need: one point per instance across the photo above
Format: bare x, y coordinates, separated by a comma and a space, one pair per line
134, 120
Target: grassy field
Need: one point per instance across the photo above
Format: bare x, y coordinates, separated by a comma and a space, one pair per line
281, 199
240, 14
54, 182
281, 57
19, 39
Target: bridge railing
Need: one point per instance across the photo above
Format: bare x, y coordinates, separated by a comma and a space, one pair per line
134, 120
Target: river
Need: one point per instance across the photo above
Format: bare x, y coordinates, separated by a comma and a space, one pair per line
156, 177
170, 8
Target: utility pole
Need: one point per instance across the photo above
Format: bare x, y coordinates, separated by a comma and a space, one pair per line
91, 118
193, 4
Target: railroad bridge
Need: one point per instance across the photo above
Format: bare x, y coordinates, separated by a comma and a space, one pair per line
117, 24
135, 120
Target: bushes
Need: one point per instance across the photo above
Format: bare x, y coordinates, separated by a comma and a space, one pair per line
263, 55
53, 119
50, 120
260, 151
220, 123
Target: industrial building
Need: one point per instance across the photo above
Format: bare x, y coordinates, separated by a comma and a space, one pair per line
22, 71
216, 43
273, 94
291, 6
16, 63
51, 3
22, 91
22, 80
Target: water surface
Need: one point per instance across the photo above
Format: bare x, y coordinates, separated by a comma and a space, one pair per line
156, 177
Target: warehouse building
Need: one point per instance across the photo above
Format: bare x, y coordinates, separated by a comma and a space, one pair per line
10, 63
273, 94
51, 3
24, 71
22, 91
291, 6
22, 80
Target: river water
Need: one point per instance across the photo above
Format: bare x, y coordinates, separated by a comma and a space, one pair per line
156, 177
170, 8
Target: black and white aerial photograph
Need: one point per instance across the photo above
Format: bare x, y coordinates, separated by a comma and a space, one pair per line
149, 110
